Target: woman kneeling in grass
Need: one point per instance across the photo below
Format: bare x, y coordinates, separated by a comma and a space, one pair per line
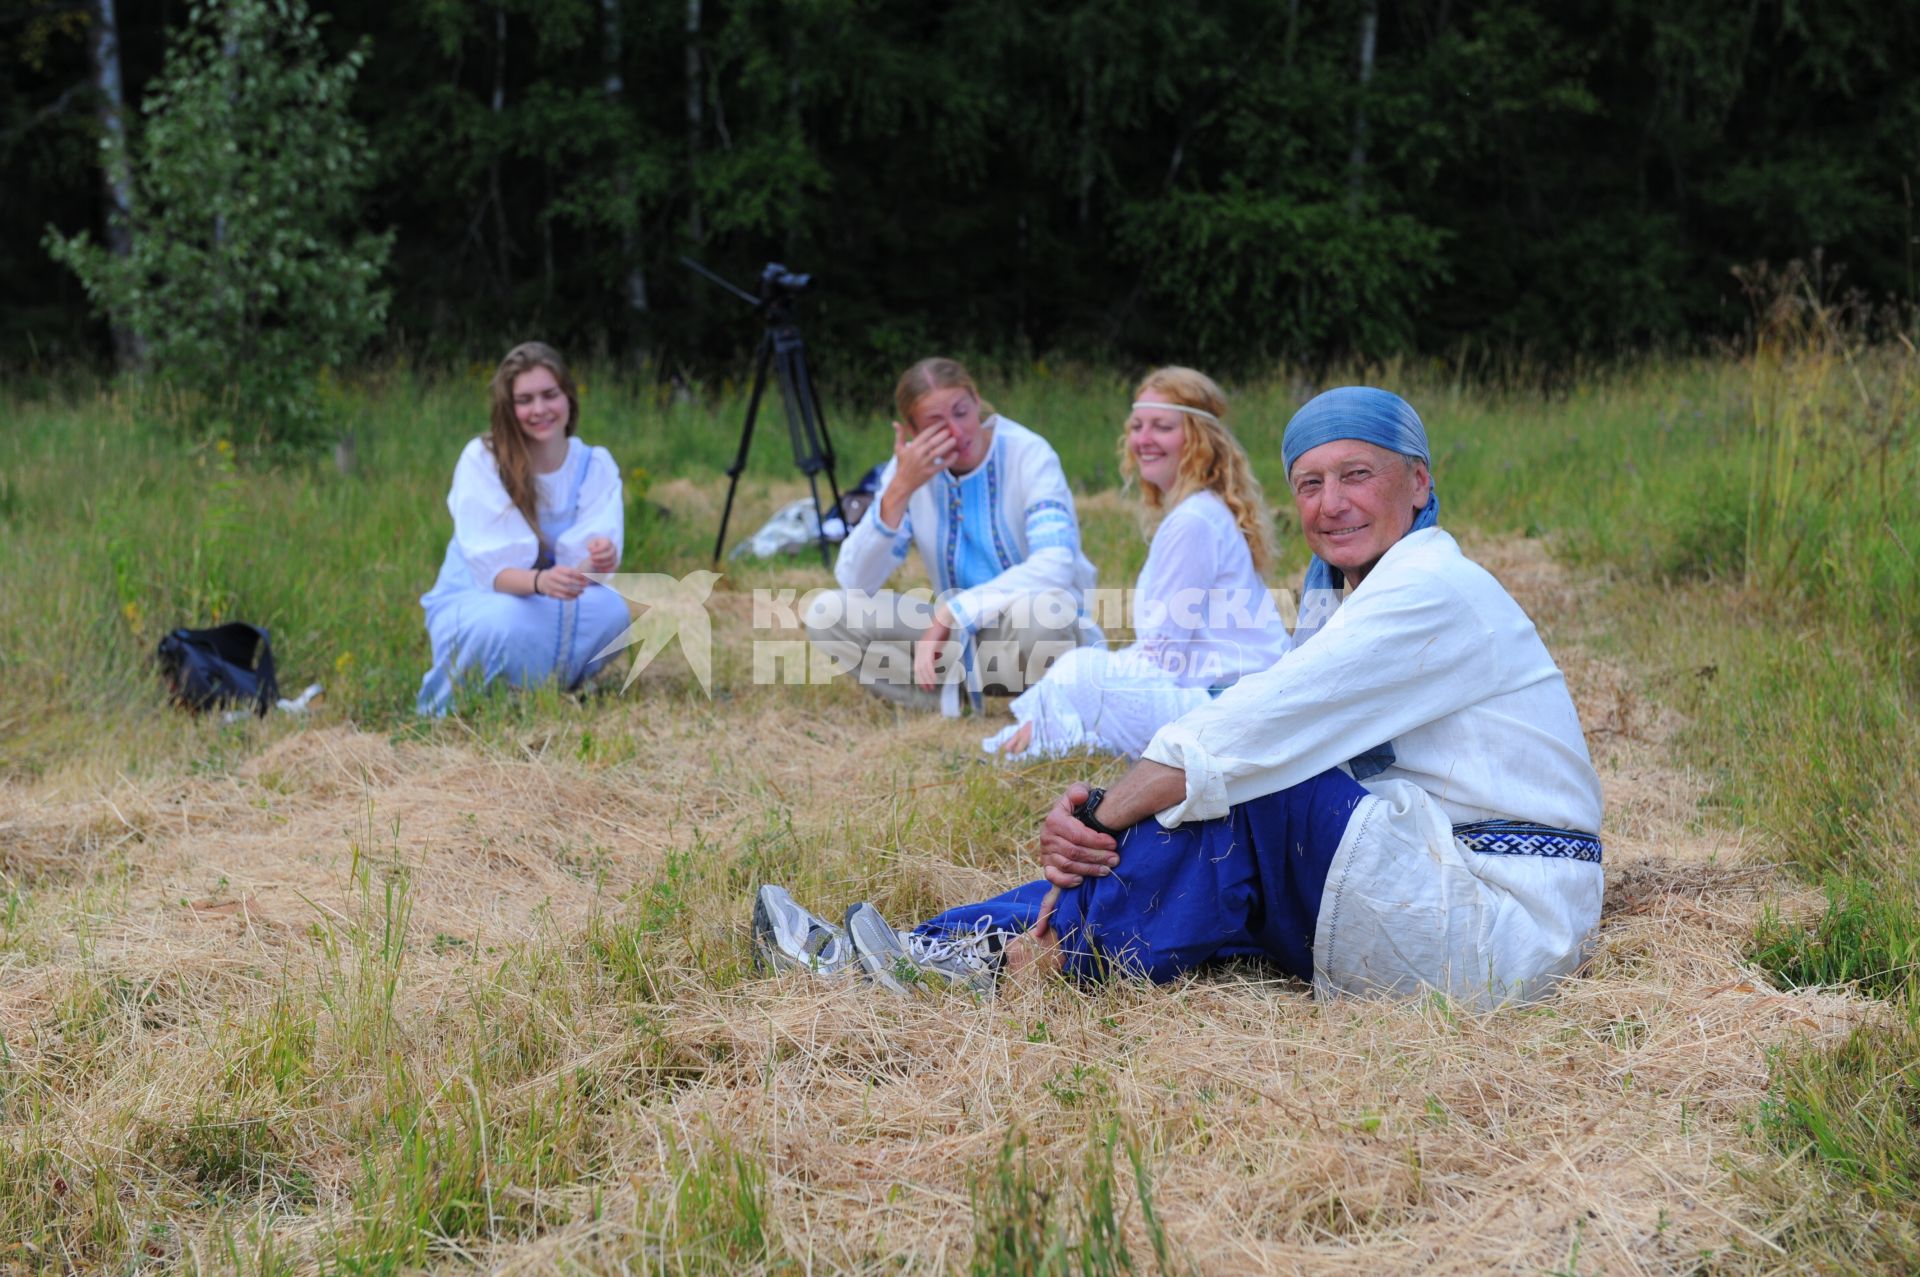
534, 510
1202, 616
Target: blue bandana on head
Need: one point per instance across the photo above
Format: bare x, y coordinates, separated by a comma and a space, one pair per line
1373, 416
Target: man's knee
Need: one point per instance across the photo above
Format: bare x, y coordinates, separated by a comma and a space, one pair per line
824, 615
824, 618
999, 665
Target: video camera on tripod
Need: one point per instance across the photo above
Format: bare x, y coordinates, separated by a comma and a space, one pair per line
783, 350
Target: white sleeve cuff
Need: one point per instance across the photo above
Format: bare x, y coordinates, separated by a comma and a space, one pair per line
1175, 746
964, 621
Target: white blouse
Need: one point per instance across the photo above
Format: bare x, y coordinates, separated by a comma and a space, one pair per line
492, 533
1200, 610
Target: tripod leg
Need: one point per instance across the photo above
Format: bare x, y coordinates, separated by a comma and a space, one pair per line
810, 398
802, 402
819, 521
734, 471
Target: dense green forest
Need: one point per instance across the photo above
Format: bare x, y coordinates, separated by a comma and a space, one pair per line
1233, 183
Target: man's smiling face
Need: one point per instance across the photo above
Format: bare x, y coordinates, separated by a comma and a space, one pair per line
1355, 500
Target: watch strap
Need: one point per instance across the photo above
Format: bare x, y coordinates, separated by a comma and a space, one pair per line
1085, 814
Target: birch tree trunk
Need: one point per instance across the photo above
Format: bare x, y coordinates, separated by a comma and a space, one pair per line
634, 286
695, 118
1357, 162
500, 243
116, 175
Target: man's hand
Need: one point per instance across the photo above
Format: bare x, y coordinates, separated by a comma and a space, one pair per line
918, 458
926, 649
1070, 852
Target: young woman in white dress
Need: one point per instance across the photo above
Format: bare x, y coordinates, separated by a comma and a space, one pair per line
534, 510
1202, 615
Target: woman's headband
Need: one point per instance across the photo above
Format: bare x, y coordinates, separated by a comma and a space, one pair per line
1201, 413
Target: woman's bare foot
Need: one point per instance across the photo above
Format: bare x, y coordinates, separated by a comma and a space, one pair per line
1018, 742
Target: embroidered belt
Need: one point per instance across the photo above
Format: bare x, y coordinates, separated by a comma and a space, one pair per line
1523, 838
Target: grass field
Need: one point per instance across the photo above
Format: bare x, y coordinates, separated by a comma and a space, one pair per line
356, 993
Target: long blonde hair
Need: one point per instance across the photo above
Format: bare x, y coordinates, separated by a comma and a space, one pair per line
929, 375
508, 444
1210, 458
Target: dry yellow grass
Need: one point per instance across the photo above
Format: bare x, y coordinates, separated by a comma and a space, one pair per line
208, 953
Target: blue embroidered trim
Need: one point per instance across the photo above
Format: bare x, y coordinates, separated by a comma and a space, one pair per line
993, 514
1521, 838
953, 534
1051, 523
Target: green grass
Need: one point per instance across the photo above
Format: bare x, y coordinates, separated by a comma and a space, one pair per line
1757, 521
1032, 1222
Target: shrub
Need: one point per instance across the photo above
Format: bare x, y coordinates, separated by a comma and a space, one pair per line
246, 277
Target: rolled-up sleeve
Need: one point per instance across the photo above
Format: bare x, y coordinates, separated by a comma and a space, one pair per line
1182, 749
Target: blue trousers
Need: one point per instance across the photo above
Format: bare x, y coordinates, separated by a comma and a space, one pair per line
1245, 885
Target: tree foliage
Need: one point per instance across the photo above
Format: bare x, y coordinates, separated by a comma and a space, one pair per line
247, 274
1136, 179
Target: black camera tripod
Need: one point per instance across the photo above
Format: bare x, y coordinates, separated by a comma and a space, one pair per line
785, 351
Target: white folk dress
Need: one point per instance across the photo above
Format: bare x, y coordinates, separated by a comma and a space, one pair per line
478, 633
1431, 654
1203, 619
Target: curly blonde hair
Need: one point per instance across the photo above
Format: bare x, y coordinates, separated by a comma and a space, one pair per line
508, 444
1210, 458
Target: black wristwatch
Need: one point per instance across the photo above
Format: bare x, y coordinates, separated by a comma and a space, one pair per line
1084, 813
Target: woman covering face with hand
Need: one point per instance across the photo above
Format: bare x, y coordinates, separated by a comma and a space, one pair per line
1201, 612
985, 503
534, 511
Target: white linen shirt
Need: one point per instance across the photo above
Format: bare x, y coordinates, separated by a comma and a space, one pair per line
1037, 533
492, 533
1200, 610
1430, 653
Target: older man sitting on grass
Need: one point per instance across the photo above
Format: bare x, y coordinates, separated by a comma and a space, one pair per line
1403, 802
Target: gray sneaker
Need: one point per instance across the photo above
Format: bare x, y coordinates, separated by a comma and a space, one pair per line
788, 937
971, 959
878, 951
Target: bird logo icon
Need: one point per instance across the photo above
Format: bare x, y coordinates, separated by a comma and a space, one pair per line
664, 607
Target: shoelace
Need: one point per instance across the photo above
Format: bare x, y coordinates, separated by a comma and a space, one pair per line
966, 949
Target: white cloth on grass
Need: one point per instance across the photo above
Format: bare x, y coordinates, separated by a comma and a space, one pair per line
1203, 618
1431, 653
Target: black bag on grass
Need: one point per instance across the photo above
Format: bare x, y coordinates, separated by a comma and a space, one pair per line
228, 664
